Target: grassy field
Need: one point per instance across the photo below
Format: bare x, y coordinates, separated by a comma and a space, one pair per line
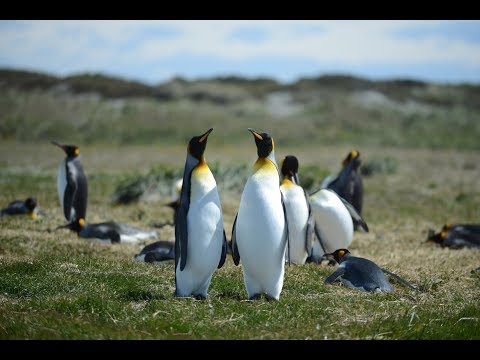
57, 286
422, 138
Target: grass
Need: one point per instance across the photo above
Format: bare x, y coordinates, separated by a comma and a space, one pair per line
57, 286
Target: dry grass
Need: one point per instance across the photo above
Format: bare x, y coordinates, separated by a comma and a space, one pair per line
53, 279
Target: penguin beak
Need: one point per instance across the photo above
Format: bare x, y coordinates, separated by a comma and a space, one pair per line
257, 135
58, 144
205, 136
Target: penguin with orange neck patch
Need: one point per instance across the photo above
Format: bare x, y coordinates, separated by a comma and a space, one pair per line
348, 183
299, 214
72, 184
260, 229
200, 241
109, 231
361, 274
457, 236
22, 207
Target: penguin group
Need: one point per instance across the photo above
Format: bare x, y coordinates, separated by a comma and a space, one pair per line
277, 223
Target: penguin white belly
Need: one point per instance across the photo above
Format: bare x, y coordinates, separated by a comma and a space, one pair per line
296, 208
335, 224
260, 235
61, 181
205, 235
124, 238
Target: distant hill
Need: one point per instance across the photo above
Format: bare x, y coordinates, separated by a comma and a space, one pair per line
327, 109
201, 89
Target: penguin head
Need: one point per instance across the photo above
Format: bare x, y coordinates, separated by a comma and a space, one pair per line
339, 254
354, 156
290, 168
439, 237
70, 150
197, 145
264, 142
31, 203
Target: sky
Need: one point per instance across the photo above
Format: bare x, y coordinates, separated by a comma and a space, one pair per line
154, 51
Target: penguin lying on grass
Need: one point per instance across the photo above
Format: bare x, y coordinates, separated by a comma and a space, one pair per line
109, 231
22, 207
157, 252
457, 236
72, 184
361, 274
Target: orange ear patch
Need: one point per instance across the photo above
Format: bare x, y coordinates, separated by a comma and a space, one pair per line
77, 151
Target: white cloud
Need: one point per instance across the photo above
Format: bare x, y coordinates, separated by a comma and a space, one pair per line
65, 46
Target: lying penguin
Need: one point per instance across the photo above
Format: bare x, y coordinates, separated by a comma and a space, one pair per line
457, 236
22, 207
361, 274
157, 252
109, 231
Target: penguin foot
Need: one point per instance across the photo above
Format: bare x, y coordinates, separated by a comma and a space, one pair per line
255, 297
200, 297
270, 298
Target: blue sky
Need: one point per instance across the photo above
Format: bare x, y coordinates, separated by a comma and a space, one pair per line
155, 51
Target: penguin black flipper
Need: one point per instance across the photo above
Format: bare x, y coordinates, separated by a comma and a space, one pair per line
310, 231
396, 277
224, 251
68, 196
357, 219
181, 227
335, 275
286, 228
235, 253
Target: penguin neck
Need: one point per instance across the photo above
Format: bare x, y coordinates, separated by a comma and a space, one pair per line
288, 181
266, 162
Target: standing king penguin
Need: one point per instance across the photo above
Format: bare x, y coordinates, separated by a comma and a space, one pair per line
72, 184
301, 223
200, 242
260, 229
348, 184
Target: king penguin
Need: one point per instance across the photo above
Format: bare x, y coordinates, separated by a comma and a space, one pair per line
200, 241
298, 212
358, 273
72, 184
260, 229
457, 236
158, 252
110, 231
22, 207
334, 219
348, 184
362, 274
